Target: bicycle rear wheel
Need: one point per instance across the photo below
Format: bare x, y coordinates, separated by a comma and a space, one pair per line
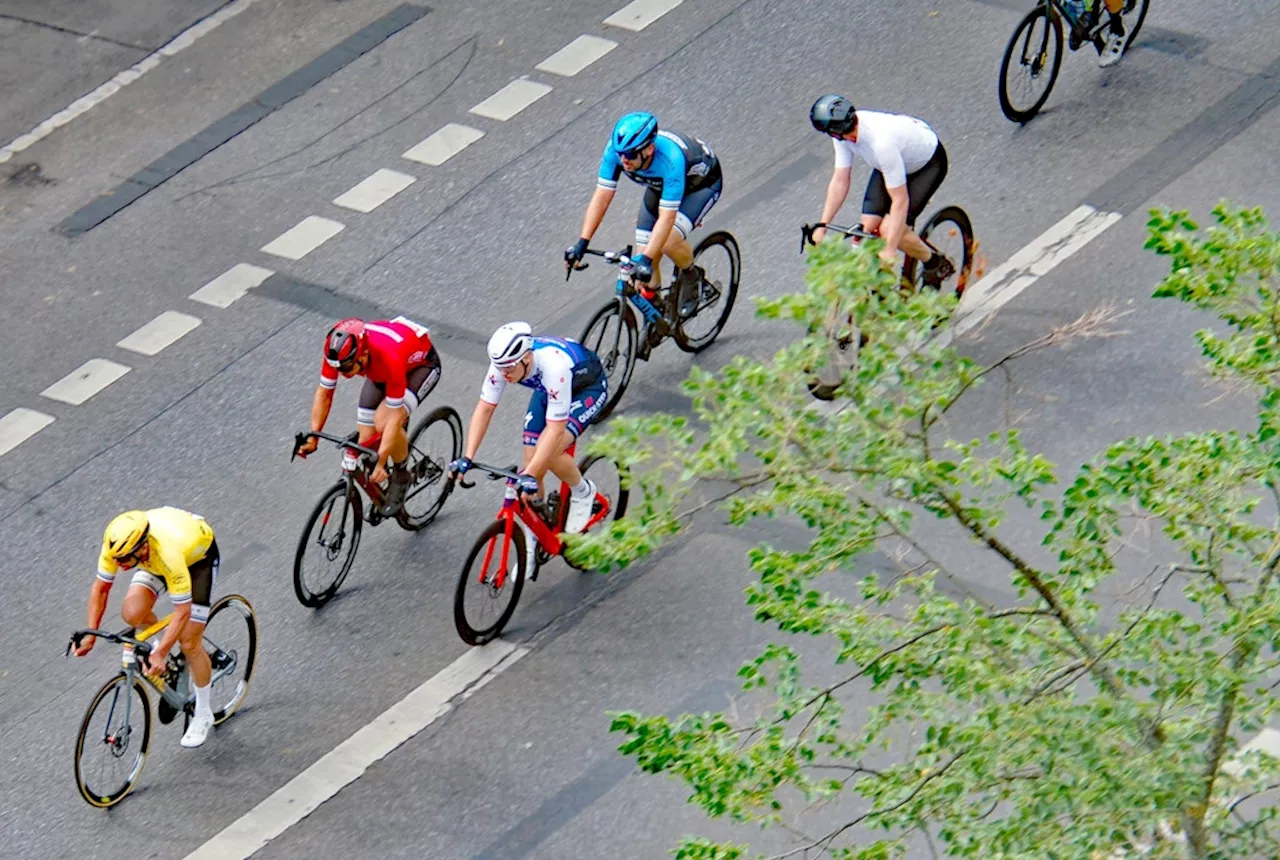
434, 444
334, 527
116, 742
721, 261
611, 334
1133, 14
479, 582
231, 638
1031, 60
613, 491
950, 233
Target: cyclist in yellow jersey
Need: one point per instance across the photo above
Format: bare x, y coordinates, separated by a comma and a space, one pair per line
168, 549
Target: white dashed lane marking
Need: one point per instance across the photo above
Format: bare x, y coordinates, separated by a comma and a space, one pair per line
444, 144
304, 237
86, 102
85, 381
576, 56
640, 14
231, 285
19, 426
375, 190
159, 333
348, 761
511, 99
1030, 264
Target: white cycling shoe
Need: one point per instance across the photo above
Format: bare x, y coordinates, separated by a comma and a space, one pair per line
198, 731
580, 510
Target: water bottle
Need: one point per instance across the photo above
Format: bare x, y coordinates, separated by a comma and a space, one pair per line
1075, 10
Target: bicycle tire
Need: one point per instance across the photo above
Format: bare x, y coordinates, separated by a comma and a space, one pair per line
912, 272
619, 504
240, 604
450, 416
1133, 31
493, 532
1052, 23
695, 345
106, 801
351, 502
627, 340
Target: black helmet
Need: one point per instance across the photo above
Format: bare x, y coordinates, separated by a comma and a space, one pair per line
833, 114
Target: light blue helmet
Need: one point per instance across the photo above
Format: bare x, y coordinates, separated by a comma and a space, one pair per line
634, 131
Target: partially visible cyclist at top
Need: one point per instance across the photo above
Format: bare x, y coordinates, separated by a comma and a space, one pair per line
400, 366
684, 181
908, 164
570, 388
173, 550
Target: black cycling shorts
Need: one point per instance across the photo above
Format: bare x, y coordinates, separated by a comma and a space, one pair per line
921, 185
418, 384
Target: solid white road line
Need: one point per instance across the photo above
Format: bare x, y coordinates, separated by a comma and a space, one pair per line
375, 190
640, 14
304, 237
444, 144
81, 105
231, 285
1034, 261
85, 381
576, 56
159, 333
348, 761
511, 99
19, 426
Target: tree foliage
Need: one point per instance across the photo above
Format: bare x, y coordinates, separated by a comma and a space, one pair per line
1061, 723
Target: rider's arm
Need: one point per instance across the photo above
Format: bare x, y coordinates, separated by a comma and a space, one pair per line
894, 224
549, 445
479, 426
320, 406
596, 210
98, 594
837, 192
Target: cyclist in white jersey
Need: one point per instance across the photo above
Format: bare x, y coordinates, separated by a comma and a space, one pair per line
908, 164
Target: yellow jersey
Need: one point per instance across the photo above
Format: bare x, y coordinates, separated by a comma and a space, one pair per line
177, 539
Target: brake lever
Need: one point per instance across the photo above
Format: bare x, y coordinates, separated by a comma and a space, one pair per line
298, 439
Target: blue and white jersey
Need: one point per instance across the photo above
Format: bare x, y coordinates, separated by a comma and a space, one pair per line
680, 164
561, 367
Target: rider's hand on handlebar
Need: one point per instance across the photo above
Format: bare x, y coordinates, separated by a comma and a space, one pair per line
528, 485
307, 447
85, 646
642, 268
575, 252
459, 466
818, 235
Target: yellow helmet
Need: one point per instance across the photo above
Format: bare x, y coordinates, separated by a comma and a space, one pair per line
125, 533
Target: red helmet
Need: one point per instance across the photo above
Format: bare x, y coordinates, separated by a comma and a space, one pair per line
344, 343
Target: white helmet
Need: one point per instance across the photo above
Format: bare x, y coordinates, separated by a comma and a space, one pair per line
509, 343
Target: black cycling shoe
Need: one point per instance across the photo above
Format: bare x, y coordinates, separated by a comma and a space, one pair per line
690, 286
939, 273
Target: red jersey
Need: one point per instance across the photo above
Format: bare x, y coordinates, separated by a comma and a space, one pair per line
396, 347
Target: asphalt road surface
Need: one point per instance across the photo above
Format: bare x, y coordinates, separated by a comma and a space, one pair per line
521, 765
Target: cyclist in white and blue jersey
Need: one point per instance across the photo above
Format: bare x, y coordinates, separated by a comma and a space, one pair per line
570, 388
684, 182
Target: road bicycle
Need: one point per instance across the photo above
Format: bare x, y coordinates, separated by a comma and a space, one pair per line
230, 637
412, 501
947, 232
1034, 52
499, 561
630, 326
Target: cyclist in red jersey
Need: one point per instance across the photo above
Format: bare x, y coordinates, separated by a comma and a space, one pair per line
400, 366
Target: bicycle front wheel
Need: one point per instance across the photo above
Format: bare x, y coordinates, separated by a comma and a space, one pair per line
611, 334
487, 595
720, 260
436, 442
112, 745
231, 638
949, 233
334, 530
1030, 65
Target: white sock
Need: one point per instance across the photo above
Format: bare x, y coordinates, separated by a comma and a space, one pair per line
203, 708
583, 490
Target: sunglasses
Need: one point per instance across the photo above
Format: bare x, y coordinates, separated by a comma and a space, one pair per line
634, 154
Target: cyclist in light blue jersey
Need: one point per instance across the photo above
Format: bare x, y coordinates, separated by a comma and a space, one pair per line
570, 389
684, 182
